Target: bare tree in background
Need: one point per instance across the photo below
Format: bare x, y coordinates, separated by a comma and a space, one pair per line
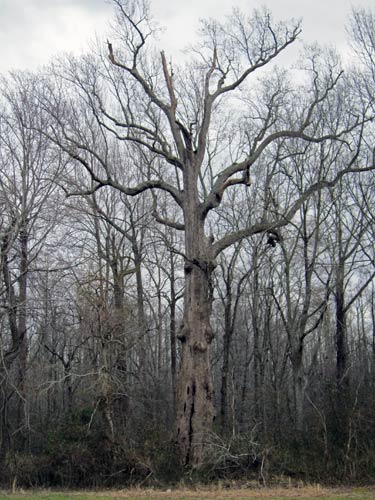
27, 216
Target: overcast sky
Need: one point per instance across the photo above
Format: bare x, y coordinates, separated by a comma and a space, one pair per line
32, 31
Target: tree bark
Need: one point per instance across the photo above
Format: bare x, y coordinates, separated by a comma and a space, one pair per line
342, 378
258, 355
195, 411
141, 316
172, 332
341, 341
22, 326
299, 379
228, 332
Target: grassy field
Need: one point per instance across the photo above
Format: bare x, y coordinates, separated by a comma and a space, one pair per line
306, 493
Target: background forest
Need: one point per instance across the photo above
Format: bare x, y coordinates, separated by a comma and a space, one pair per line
187, 249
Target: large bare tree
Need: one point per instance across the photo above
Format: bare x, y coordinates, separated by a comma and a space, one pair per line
194, 131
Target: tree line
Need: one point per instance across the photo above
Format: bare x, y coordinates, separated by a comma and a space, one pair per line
187, 258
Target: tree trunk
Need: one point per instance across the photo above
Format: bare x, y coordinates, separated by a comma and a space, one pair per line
373, 325
195, 391
258, 361
23, 348
228, 332
299, 394
16, 305
172, 331
195, 411
342, 378
341, 341
244, 389
141, 316
299, 380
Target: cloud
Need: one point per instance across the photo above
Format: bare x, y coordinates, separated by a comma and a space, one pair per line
32, 32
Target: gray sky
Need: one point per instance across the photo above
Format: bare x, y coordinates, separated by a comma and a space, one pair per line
32, 31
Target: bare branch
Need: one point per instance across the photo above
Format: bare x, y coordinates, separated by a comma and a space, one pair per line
262, 227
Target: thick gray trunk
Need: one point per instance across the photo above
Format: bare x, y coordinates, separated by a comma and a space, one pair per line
195, 411
172, 327
228, 332
195, 391
299, 379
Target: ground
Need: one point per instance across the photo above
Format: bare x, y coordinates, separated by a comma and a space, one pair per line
306, 493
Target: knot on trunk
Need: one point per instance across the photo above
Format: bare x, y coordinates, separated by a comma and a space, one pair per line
209, 334
205, 265
181, 335
200, 346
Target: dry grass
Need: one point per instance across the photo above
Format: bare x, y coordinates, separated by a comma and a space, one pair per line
307, 493
202, 494
243, 493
